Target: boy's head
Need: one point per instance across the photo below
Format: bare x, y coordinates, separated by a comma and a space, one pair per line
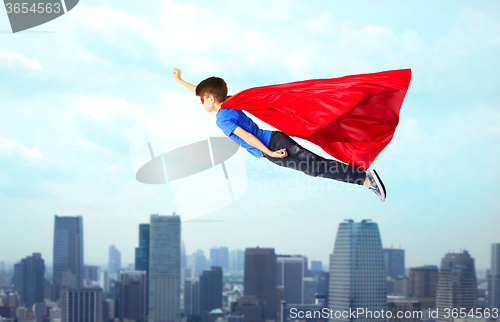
212, 86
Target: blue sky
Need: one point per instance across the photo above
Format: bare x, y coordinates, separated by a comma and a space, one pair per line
69, 97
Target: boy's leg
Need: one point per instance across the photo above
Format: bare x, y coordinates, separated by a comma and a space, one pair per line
310, 163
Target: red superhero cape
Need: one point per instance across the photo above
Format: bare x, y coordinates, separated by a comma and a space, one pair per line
352, 118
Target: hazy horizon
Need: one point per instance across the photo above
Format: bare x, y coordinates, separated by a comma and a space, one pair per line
69, 97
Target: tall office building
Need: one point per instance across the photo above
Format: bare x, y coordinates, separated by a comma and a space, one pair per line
290, 272
69, 279
40, 311
236, 260
394, 262
114, 263
423, 281
165, 269
397, 286
31, 280
250, 308
214, 256
191, 296
16, 279
142, 257
210, 291
260, 278
104, 281
68, 249
130, 296
81, 305
310, 288
91, 273
494, 278
357, 270
322, 281
183, 256
457, 285
200, 262
316, 266
220, 257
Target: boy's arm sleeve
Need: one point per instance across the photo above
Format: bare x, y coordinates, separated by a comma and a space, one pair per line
227, 126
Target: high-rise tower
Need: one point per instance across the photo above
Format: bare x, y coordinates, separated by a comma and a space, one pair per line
165, 269
357, 270
494, 278
457, 285
142, 257
394, 262
115, 262
260, 278
68, 249
290, 271
32, 280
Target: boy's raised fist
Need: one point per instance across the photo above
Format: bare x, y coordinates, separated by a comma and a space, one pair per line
177, 74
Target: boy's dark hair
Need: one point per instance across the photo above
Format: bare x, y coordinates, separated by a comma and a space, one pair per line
213, 86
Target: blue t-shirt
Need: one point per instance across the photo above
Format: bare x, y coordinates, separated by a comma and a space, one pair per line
228, 120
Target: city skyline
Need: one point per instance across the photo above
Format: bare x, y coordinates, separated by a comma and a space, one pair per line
207, 251
63, 132
357, 278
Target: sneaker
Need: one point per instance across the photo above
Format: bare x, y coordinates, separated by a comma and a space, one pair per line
377, 185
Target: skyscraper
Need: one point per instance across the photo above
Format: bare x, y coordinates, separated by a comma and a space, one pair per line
81, 305
210, 291
91, 273
214, 256
114, 263
220, 257
183, 256
130, 295
142, 257
423, 281
323, 281
191, 296
457, 286
290, 272
494, 278
200, 261
310, 288
236, 260
260, 278
357, 270
32, 280
165, 269
251, 308
316, 266
104, 281
68, 249
394, 262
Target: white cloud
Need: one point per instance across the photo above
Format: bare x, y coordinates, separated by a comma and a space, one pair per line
10, 147
89, 145
320, 24
106, 107
13, 58
104, 18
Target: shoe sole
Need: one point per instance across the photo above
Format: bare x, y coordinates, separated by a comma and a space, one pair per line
380, 184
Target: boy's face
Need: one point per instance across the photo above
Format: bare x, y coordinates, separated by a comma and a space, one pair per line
208, 102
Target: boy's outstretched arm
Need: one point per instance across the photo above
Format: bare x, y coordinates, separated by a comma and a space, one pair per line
177, 76
256, 143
